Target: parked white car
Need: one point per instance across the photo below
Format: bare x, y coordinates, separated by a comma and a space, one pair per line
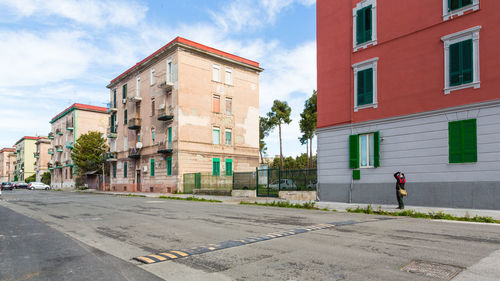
38, 185
284, 184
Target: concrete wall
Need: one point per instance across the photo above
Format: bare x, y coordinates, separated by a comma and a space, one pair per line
418, 146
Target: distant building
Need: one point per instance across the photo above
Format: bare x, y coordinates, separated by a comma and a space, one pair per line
409, 86
42, 157
67, 127
6, 164
186, 108
25, 158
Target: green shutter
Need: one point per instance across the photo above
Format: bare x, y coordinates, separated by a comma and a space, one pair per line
152, 167
125, 116
368, 23
114, 170
466, 61
169, 166
376, 149
356, 174
455, 64
125, 166
353, 151
364, 25
216, 167
455, 142
124, 91
229, 167
361, 87
369, 86
169, 137
469, 130
359, 27
114, 98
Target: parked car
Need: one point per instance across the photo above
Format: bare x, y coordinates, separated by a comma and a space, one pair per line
283, 184
21, 185
6, 185
38, 185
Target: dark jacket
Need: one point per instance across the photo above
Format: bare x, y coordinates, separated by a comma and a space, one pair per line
400, 180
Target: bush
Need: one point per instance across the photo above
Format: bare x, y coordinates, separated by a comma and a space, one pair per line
31, 178
46, 178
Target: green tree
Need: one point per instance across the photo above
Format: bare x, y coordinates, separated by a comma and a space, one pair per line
279, 114
89, 153
264, 129
46, 178
308, 122
31, 178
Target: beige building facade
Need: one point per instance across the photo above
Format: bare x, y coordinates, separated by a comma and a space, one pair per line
187, 108
7, 164
67, 127
42, 157
24, 166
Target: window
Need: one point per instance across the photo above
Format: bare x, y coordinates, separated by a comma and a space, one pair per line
152, 107
169, 70
124, 91
125, 143
138, 87
216, 167
365, 84
125, 167
114, 98
152, 76
215, 135
114, 170
169, 137
113, 123
153, 135
462, 140
216, 103
229, 106
125, 116
169, 166
229, 167
364, 150
216, 73
228, 137
461, 60
229, 77
152, 167
364, 24
453, 8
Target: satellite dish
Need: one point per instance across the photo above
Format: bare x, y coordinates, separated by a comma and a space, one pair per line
138, 145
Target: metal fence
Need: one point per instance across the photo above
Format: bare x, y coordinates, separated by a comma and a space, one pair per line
206, 181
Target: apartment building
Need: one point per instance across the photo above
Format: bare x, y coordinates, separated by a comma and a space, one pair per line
409, 86
24, 166
67, 127
186, 108
42, 157
6, 164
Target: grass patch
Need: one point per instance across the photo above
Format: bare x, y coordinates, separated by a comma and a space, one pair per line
430, 215
190, 199
58, 189
286, 204
132, 195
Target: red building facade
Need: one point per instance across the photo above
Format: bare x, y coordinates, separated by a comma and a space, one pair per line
410, 86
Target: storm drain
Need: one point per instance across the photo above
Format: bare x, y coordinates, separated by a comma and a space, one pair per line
432, 269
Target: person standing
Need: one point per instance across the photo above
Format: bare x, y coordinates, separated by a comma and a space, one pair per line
400, 189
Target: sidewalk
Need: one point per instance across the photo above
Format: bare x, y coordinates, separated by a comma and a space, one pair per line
340, 207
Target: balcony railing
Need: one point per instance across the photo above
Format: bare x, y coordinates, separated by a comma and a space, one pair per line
49, 165
59, 149
58, 165
134, 123
68, 163
165, 147
111, 132
134, 153
69, 125
36, 154
51, 136
135, 98
69, 144
111, 156
59, 132
168, 86
165, 114
51, 151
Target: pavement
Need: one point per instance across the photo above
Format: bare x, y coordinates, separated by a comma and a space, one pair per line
338, 206
229, 241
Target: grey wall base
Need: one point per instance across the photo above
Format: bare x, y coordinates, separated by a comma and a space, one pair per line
474, 195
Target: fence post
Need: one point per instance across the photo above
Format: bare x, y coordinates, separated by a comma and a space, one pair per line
279, 179
257, 179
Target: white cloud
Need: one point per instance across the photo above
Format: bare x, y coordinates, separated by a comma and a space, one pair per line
90, 12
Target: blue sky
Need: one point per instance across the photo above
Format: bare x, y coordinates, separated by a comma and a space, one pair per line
58, 52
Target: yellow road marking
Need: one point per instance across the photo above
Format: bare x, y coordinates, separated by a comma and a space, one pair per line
146, 259
180, 253
211, 248
158, 257
169, 255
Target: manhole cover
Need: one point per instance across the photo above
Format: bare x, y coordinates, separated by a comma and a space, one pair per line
432, 269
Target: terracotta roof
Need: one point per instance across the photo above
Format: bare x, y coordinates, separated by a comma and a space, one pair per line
192, 44
27, 138
78, 106
7, 149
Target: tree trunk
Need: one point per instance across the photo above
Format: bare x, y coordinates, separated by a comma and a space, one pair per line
307, 153
311, 151
281, 147
261, 159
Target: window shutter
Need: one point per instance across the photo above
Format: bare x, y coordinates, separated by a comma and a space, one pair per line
169, 166
353, 151
455, 142
469, 130
216, 167
152, 167
169, 137
359, 27
229, 167
369, 86
368, 23
125, 166
466, 59
361, 88
376, 149
455, 64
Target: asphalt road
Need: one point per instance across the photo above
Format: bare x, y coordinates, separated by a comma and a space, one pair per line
355, 247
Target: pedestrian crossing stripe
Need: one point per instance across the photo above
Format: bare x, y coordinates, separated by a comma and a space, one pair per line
175, 254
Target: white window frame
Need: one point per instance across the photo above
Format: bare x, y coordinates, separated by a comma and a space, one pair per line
216, 67
360, 66
152, 76
225, 140
218, 130
138, 86
359, 6
459, 12
471, 33
368, 144
230, 72
125, 143
225, 106
169, 71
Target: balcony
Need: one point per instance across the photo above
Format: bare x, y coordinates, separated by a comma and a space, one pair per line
69, 125
68, 163
36, 154
49, 165
165, 147
51, 151
58, 165
59, 148
134, 153
135, 99
134, 123
111, 132
59, 132
111, 156
167, 86
69, 144
165, 114
51, 136
111, 108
